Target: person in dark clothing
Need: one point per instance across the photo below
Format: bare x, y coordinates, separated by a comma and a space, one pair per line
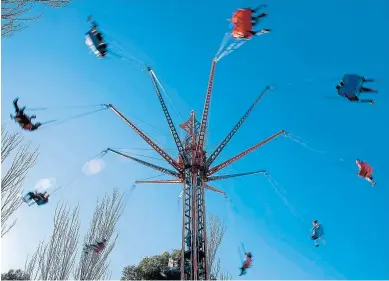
43, 198
367, 90
97, 248
246, 264
353, 97
102, 49
23, 119
262, 31
317, 233
255, 20
38, 198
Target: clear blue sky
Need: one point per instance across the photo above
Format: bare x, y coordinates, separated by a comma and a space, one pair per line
312, 45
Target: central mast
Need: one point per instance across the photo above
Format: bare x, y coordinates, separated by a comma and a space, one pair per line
193, 261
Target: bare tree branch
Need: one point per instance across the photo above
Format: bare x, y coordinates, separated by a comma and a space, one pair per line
12, 181
55, 260
8, 142
216, 230
13, 10
93, 266
225, 276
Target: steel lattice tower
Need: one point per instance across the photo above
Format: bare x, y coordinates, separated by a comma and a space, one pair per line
193, 170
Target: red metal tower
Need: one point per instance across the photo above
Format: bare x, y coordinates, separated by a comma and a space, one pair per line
193, 170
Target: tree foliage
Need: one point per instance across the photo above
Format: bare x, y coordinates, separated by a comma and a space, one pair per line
15, 275
15, 13
154, 268
13, 179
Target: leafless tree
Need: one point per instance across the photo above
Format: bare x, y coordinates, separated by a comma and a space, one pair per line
225, 276
216, 230
55, 260
13, 179
15, 13
94, 266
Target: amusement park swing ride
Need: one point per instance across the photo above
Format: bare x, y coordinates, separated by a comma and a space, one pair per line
193, 168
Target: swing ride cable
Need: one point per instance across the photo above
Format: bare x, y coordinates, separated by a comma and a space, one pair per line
79, 174
305, 144
148, 124
280, 192
127, 54
169, 99
152, 177
151, 157
59, 121
62, 106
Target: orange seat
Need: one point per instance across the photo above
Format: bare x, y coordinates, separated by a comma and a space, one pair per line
242, 24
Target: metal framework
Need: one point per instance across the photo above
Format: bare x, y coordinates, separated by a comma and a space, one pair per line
193, 170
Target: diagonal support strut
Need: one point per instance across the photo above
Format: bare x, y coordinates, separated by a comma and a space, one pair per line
227, 139
160, 181
169, 120
224, 177
207, 104
159, 150
147, 164
206, 186
242, 154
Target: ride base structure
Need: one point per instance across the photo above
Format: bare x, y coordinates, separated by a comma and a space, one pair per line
193, 170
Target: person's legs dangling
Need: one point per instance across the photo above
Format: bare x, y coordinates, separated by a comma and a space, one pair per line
367, 90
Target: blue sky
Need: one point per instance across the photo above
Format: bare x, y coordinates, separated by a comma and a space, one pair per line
312, 45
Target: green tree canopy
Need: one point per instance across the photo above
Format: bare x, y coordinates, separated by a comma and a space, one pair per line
15, 275
155, 268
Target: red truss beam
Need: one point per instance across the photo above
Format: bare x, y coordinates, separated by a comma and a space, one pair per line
159, 150
224, 177
204, 118
169, 120
242, 154
206, 186
227, 139
147, 164
160, 181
